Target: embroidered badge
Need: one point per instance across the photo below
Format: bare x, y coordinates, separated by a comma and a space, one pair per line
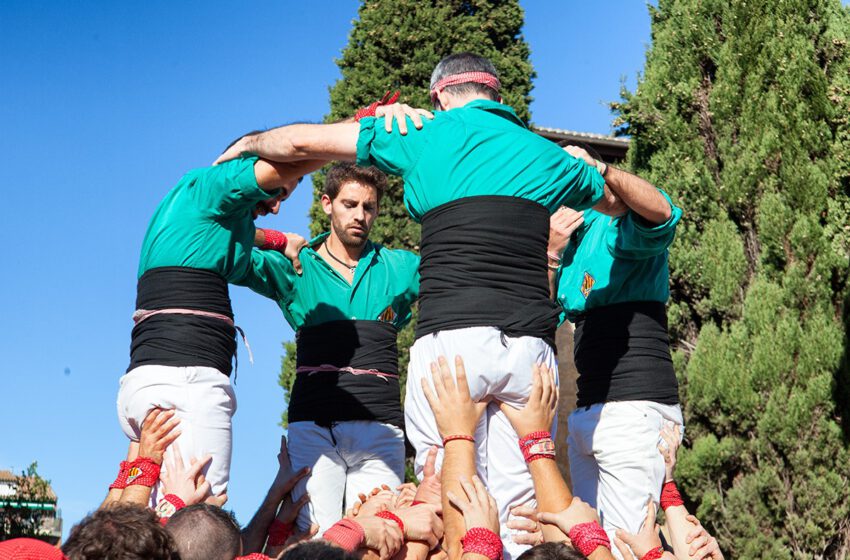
134, 473
587, 284
388, 315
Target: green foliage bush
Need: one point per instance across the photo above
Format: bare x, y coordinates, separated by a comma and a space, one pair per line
741, 114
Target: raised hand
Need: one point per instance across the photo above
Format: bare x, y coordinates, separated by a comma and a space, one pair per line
421, 523
186, 483
524, 518
702, 544
562, 224
454, 410
158, 432
668, 446
577, 512
431, 486
539, 412
477, 506
294, 244
382, 535
645, 540
399, 112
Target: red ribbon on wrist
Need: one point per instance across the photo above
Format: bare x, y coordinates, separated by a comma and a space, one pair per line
587, 537
479, 540
369, 111
279, 532
346, 533
670, 495
653, 554
537, 445
143, 472
273, 240
392, 517
253, 556
456, 437
121, 480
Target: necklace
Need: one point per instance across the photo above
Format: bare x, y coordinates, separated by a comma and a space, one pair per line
340, 261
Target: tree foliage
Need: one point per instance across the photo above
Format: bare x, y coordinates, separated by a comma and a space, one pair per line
24, 513
743, 115
394, 45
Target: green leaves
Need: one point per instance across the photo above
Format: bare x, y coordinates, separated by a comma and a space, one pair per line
742, 115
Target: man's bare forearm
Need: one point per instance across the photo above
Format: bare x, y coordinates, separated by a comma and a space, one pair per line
458, 460
297, 142
639, 195
552, 494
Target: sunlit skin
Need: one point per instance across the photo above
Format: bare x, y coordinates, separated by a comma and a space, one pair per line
272, 205
352, 214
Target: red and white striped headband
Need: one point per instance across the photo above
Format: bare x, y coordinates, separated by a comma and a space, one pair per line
484, 78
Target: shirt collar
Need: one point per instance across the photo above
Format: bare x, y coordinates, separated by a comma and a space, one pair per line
504, 111
367, 255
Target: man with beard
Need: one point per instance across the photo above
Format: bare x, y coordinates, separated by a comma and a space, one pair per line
345, 418
483, 187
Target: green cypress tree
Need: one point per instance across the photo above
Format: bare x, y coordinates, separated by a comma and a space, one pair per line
742, 115
394, 45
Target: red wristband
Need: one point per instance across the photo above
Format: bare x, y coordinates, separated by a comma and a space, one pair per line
479, 540
273, 240
168, 506
670, 495
121, 480
537, 445
369, 111
457, 437
346, 533
253, 556
279, 532
143, 472
391, 517
587, 537
653, 554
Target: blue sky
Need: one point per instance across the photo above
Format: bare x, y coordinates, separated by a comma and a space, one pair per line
104, 105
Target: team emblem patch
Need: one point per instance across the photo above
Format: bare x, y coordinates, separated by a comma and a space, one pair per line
388, 315
134, 473
587, 284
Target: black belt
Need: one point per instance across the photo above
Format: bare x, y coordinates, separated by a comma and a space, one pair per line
484, 264
347, 370
622, 353
183, 340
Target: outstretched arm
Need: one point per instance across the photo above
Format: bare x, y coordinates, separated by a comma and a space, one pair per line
298, 142
638, 194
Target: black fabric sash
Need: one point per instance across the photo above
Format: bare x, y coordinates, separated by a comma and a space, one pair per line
622, 353
484, 264
183, 340
326, 395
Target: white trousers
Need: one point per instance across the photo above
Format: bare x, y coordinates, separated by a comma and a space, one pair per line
615, 464
203, 399
346, 459
496, 367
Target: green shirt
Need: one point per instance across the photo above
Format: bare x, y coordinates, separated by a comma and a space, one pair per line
479, 149
385, 285
206, 221
615, 260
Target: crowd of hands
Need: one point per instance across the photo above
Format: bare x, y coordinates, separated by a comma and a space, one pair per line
423, 533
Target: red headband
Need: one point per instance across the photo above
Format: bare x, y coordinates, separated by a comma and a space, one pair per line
484, 78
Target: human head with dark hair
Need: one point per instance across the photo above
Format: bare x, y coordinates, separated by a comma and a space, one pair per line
461, 77
351, 198
270, 205
317, 550
552, 551
120, 531
205, 532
